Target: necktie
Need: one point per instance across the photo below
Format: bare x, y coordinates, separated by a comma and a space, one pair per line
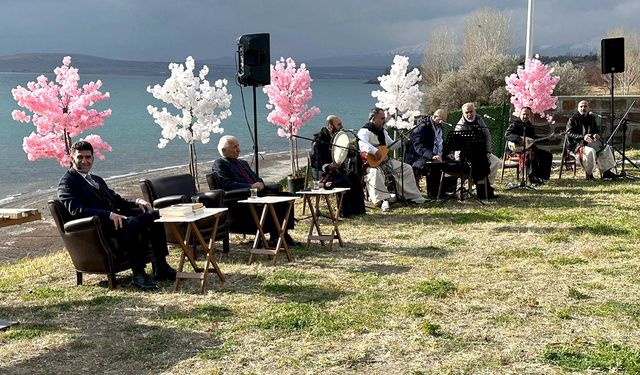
92, 181
244, 172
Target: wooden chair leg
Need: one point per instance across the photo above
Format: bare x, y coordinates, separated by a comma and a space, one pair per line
225, 244
111, 280
78, 278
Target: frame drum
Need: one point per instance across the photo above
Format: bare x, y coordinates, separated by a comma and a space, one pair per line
339, 147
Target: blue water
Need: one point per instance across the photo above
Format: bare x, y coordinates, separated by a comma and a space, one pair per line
131, 132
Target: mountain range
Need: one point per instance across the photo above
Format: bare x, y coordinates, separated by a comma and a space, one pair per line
360, 66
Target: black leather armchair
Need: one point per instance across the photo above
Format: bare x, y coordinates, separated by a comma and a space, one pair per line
165, 191
90, 249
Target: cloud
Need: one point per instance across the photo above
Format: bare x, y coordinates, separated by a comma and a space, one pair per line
171, 30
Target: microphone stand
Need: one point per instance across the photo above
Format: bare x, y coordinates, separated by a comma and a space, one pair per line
400, 197
623, 122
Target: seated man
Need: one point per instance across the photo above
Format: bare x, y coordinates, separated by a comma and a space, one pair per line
324, 168
484, 164
425, 150
370, 137
233, 173
538, 160
583, 133
86, 195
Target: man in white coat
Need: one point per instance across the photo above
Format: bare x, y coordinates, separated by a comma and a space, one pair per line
370, 137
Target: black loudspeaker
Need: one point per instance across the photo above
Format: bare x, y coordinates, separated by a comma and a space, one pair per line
253, 60
612, 51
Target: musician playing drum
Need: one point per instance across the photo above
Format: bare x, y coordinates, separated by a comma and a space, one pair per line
373, 139
425, 150
325, 168
584, 135
521, 133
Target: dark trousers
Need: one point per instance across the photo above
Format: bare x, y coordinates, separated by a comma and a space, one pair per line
138, 236
433, 173
539, 163
353, 201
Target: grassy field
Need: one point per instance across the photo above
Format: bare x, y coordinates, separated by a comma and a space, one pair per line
535, 282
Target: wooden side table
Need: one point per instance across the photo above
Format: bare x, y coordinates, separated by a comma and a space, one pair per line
267, 206
188, 251
318, 194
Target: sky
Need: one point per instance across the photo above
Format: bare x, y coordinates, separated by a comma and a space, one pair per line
170, 30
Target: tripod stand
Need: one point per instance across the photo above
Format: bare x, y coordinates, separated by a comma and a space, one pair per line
622, 123
467, 143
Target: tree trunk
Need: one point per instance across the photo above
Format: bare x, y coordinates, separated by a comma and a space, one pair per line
293, 167
193, 164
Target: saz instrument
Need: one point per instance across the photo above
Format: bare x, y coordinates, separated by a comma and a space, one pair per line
528, 142
383, 150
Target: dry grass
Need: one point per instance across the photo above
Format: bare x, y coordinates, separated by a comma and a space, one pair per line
536, 282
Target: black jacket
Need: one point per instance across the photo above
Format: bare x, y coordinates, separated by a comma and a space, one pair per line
423, 138
578, 126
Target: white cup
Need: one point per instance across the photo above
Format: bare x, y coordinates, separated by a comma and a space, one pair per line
316, 185
254, 193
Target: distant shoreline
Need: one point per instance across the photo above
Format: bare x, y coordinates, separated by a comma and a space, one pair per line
271, 169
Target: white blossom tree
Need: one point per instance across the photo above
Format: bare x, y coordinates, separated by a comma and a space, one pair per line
401, 95
202, 108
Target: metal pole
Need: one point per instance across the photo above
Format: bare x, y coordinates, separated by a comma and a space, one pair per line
255, 132
529, 46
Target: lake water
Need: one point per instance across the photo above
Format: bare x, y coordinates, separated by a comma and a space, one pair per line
131, 132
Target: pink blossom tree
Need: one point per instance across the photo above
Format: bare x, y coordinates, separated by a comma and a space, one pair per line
532, 86
59, 113
288, 93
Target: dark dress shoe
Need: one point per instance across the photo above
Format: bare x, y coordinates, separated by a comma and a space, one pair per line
589, 177
165, 273
144, 282
608, 175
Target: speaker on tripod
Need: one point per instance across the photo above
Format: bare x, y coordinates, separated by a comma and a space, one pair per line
254, 70
253, 60
612, 55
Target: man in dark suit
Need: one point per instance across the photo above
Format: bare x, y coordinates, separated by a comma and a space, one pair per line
86, 195
425, 152
233, 173
324, 168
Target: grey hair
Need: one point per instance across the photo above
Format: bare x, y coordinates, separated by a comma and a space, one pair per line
223, 143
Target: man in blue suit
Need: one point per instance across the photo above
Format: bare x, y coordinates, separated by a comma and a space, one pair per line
86, 195
233, 173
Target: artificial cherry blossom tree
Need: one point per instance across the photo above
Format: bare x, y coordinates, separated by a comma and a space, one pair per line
532, 86
202, 108
401, 95
288, 94
60, 113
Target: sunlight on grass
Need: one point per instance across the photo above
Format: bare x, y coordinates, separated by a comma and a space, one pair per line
436, 288
567, 261
22, 333
431, 329
453, 289
604, 356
